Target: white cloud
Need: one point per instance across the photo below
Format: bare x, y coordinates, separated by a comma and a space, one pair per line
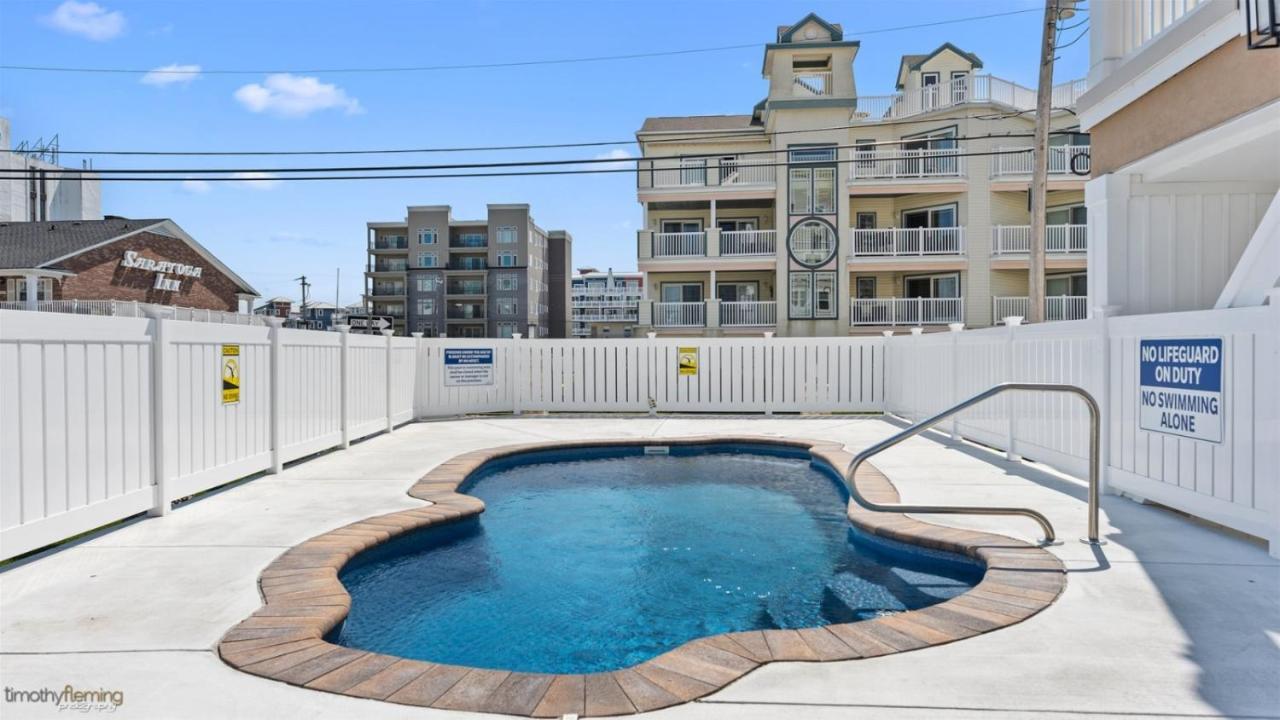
86, 19
257, 180
173, 74
289, 95
196, 187
622, 156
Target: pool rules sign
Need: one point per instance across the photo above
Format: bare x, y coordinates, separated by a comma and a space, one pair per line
1180, 387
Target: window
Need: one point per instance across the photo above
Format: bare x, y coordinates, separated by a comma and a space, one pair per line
932, 286
735, 224
929, 79
427, 236
681, 292
865, 287
1073, 215
1075, 284
865, 221
427, 260
800, 295
427, 283
938, 217
812, 242
506, 307
506, 282
506, 259
506, 329
681, 226
426, 306
813, 155
824, 295
506, 235
738, 291
813, 190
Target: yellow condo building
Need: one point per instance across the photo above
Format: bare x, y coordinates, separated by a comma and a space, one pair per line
825, 212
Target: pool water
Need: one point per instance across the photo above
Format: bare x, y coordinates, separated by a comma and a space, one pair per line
595, 560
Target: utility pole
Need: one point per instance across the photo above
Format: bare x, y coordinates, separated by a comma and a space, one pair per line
302, 310
1040, 167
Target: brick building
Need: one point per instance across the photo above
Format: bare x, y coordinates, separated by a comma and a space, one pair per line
148, 261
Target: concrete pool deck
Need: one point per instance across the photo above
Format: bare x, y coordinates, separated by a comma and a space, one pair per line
1170, 618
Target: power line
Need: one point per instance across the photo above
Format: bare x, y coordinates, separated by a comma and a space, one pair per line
9, 175
480, 66
544, 146
503, 164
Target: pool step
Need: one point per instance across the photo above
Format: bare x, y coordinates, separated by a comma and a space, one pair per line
657, 450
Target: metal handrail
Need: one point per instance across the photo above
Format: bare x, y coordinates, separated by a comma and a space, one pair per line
917, 428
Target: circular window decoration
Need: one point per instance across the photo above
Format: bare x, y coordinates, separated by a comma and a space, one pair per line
812, 242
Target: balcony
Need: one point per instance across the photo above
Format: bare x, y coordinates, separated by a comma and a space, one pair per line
387, 290
748, 314
467, 264
1060, 307
465, 287
679, 244
389, 242
975, 89
895, 165
388, 266
702, 172
631, 315
811, 84
1064, 161
748, 242
908, 242
469, 241
465, 312
906, 311
679, 314
1058, 239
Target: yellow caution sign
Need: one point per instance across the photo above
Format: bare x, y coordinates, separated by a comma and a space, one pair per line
687, 360
230, 374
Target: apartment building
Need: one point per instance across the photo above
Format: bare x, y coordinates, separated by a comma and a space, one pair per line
824, 211
494, 277
606, 304
1184, 108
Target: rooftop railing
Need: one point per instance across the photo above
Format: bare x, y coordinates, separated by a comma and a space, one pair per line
961, 91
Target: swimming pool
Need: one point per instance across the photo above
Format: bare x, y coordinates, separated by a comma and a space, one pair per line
596, 559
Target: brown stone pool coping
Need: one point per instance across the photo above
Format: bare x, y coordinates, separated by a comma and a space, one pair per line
303, 599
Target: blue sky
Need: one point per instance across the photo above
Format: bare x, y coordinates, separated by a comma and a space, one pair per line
273, 232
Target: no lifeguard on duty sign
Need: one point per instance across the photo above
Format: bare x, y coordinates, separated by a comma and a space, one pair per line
1180, 387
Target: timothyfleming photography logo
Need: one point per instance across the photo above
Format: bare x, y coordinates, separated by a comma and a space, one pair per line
69, 698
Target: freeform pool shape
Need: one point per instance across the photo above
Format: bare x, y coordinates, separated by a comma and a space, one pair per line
599, 559
306, 603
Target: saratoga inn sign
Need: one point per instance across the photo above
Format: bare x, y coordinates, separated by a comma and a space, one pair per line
163, 269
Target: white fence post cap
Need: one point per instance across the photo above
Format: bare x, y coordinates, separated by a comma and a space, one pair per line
388, 333
768, 334
651, 335
516, 336
274, 322
955, 327
417, 334
887, 333
917, 331
344, 329
1013, 320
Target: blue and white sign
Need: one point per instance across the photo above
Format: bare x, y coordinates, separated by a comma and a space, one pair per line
1180, 387
468, 366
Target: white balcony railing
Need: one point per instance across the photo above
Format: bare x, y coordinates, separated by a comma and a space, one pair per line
1057, 307
1071, 160
1058, 239
679, 244
893, 242
123, 308
811, 84
906, 311
748, 242
679, 314
748, 313
702, 172
906, 164
970, 89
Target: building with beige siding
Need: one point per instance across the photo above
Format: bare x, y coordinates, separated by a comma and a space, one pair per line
827, 212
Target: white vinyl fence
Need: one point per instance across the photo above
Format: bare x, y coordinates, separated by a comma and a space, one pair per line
1233, 482
108, 417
